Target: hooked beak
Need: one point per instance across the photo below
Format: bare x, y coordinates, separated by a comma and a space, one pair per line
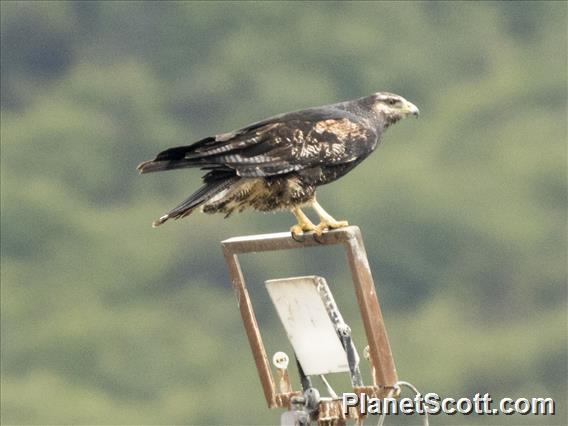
410, 108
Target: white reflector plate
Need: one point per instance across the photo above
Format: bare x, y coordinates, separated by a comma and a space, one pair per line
308, 325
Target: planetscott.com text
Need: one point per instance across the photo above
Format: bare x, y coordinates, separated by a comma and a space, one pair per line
432, 404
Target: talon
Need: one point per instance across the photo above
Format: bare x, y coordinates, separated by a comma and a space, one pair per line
316, 238
304, 224
298, 237
301, 228
319, 229
296, 230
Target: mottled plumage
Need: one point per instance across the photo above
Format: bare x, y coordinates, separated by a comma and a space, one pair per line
279, 162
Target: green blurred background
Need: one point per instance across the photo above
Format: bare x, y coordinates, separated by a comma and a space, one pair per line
108, 321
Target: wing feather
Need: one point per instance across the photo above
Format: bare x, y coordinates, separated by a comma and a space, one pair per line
299, 144
281, 144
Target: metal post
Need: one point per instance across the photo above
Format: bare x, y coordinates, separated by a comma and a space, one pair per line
385, 376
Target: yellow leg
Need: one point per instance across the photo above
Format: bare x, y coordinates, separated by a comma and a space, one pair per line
326, 220
304, 222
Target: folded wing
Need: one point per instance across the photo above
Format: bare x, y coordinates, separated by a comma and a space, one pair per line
278, 145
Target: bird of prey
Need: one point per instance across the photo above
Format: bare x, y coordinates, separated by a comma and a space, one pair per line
277, 163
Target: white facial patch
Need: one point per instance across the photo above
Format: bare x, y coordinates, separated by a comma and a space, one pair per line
381, 107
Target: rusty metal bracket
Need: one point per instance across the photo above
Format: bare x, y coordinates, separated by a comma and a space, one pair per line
382, 363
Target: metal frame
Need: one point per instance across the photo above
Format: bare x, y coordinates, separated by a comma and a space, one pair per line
380, 356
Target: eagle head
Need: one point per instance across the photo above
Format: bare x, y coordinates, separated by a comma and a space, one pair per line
389, 107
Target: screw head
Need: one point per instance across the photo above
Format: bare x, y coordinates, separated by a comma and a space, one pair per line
280, 360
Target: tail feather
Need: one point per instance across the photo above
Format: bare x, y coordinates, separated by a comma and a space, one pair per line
202, 195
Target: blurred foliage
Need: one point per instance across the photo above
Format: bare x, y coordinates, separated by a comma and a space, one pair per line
107, 321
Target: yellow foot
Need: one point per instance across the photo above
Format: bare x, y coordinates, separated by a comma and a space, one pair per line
330, 224
300, 228
304, 223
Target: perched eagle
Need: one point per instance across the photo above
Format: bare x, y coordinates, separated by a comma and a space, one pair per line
279, 162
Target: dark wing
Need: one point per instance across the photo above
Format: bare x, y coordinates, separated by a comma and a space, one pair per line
278, 145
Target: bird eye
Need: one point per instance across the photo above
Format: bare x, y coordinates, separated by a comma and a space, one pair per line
391, 101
